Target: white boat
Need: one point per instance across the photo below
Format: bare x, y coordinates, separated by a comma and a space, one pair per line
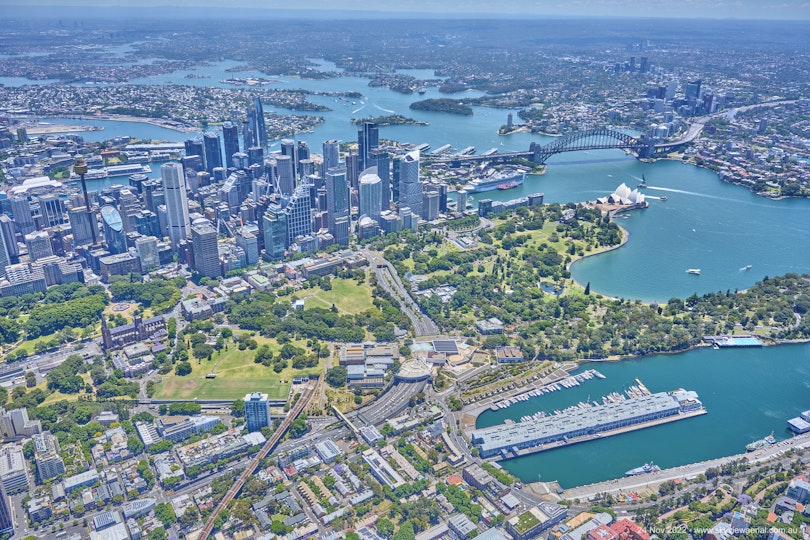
693, 271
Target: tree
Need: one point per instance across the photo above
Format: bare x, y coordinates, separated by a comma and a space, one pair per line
30, 379
337, 376
588, 289
189, 517
238, 408
385, 527
134, 444
165, 513
298, 427
277, 527
158, 534
182, 368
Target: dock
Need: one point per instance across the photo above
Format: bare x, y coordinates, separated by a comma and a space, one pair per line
586, 421
603, 434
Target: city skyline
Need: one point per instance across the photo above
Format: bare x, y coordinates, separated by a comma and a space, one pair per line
715, 9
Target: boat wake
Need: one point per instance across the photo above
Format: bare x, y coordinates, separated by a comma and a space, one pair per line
358, 110
389, 111
685, 192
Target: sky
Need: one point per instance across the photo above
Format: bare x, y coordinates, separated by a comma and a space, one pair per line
712, 9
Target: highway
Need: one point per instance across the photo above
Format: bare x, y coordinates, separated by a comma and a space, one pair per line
388, 279
264, 452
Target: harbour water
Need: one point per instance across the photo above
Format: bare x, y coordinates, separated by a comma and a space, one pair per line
748, 394
704, 223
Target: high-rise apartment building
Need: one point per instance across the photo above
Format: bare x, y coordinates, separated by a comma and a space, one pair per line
257, 411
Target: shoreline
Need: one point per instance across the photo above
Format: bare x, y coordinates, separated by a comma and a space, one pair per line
167, 124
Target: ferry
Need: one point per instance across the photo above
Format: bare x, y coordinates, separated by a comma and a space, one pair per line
693, 271
760, 444
496, 181
644, 469
643, 183
746, 267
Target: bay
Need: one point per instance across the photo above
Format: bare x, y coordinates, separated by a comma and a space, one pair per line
748, 393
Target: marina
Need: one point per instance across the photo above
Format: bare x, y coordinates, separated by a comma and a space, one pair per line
568, 382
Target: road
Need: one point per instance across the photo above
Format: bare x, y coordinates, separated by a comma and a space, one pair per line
299, 406
685, 471
699, 123
388, 279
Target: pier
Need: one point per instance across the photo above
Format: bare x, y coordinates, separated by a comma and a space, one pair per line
584, 422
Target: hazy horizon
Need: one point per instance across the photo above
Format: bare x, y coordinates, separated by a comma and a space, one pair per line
690, 9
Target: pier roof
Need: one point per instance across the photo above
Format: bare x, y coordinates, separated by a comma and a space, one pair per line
583, 420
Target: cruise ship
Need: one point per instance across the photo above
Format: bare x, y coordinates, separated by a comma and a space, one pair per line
506, 178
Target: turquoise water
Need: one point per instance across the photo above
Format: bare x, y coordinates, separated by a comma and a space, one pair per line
748, 393
704, 223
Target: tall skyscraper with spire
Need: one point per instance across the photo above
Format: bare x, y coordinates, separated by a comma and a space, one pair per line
174, 188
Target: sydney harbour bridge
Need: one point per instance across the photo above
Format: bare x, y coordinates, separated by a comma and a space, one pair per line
592, 139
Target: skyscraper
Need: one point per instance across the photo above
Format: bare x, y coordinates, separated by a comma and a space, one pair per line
174, 188
370, 194
257, 128
230, 139
337, 201
39, 245
52, 209
114, 234
6, 523
299, 214
5, 260
288, 149
148, 253
257, 411
206, 253
213, 152
410, 189
194, 147
274, 229
286, 176
331, 156
21, 210
368, 137
382, 160
10, 237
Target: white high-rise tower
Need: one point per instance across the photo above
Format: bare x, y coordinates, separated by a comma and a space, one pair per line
174, 187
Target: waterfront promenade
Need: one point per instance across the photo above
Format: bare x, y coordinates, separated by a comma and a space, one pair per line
634, 484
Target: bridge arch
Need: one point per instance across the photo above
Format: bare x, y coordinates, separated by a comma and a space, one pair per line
592, 139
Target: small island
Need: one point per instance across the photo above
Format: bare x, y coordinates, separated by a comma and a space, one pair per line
452, 106
390, 120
